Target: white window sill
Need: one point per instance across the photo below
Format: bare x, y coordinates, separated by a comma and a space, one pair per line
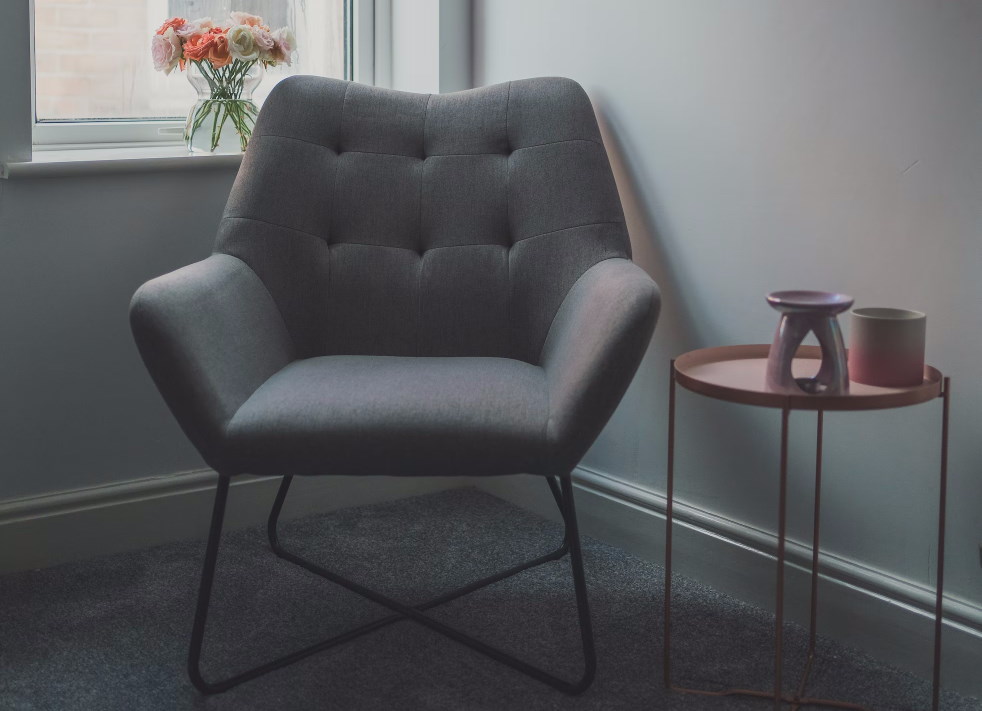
69, 161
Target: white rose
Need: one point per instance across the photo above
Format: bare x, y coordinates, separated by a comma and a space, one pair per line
166, 51
242, 44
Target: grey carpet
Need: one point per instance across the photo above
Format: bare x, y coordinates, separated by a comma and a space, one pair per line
112, 633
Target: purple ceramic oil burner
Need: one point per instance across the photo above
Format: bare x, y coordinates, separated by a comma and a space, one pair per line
801, 312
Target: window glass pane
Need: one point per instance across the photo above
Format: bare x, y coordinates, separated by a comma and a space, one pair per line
92, 57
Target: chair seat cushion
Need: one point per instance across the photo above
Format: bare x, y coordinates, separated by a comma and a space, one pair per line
393, 416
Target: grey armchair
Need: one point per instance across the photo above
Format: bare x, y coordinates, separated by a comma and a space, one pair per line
406, 284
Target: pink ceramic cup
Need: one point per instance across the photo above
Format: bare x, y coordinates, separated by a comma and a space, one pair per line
886, 347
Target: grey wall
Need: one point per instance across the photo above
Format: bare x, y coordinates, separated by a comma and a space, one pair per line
771, 144
431, 44
78, 407
416, 45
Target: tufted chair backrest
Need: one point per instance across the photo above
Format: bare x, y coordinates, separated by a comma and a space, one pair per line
391, 223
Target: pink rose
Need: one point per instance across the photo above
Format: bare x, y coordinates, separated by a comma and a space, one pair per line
166, 51
263, 39
285, 43
244, 18
194, 27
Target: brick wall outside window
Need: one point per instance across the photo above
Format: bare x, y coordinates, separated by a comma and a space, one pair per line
92, 57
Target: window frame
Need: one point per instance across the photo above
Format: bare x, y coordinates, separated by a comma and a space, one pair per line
359, 61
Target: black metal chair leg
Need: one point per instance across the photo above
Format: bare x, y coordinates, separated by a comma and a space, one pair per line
204, 589
557, 495
579, 584
570, 544
274, 513
204, 595
569, 515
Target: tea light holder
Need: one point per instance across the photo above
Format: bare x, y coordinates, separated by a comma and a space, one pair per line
804, 312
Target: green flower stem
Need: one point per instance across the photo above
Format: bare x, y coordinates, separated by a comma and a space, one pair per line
216, 126
226, 85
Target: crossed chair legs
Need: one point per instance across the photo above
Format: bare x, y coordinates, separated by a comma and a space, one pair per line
563, 493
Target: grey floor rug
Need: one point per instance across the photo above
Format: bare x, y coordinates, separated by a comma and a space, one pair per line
112, 633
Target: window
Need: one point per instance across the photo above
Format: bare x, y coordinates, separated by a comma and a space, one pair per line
94, 79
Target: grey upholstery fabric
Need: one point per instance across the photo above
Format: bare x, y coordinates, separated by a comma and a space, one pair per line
394, 415
406, 284
600, 333
502, 196
210, 335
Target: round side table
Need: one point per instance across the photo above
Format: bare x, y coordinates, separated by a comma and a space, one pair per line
737, 374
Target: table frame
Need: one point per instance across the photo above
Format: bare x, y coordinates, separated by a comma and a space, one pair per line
798, 699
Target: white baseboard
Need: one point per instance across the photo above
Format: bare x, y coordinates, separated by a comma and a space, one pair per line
41, 531
890, 618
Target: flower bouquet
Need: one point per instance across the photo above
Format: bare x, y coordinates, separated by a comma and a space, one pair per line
225, 64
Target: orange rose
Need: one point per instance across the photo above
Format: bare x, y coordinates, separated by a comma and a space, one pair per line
218, 52
197, 46
211, 45
174, 22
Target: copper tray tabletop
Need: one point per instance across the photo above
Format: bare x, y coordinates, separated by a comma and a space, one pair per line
736, 374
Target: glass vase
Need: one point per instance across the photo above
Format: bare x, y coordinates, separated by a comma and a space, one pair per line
222, 119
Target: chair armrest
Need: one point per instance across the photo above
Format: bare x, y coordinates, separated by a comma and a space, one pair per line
210, 335
593, 348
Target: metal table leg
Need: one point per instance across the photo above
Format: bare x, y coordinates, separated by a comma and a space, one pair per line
942, 506
669, 491
781, 533
777, 695
816, 529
